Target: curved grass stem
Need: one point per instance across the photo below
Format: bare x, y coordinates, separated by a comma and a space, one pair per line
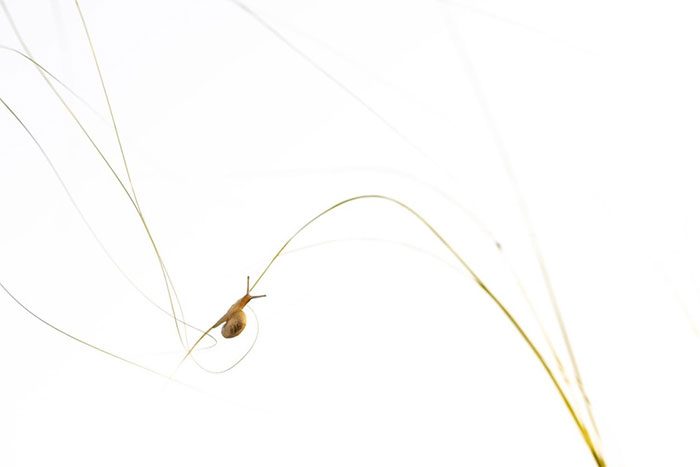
600, 461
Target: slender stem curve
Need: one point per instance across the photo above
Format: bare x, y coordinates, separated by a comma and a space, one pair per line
600, 461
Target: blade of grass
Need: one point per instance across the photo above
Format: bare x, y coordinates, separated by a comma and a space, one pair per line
531, 345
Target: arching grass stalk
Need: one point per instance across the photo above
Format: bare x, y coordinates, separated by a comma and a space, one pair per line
597, 455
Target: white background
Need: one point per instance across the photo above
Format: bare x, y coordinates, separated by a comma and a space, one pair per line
375, 348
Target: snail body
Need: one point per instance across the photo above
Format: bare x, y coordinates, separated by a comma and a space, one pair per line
234, 320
